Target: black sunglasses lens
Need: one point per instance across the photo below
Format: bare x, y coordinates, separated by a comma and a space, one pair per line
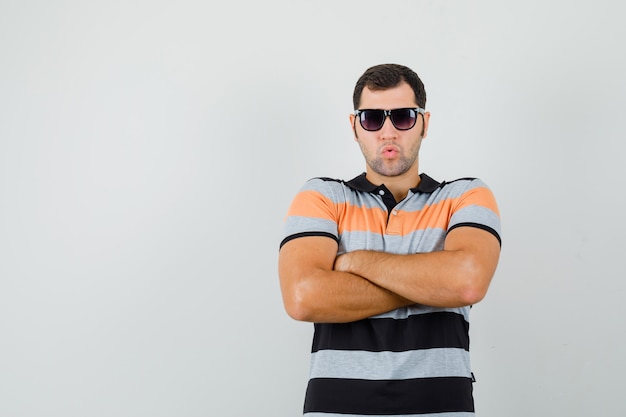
372, 119
403, 119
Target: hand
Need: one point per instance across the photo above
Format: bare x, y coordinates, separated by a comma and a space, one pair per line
342, 262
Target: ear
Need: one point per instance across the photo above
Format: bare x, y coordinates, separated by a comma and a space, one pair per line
426, 123
353, 125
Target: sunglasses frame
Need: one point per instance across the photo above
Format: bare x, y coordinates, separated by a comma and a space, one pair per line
387, 113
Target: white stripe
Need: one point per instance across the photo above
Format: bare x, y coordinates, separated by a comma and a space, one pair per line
427, 363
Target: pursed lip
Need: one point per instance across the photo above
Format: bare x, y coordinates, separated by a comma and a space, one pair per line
390, 150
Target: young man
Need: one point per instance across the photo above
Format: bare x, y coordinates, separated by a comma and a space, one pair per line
387, 266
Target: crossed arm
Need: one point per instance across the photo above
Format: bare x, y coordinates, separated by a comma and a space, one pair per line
318, 286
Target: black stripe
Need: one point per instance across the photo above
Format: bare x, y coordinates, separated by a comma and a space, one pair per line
479, 226
305, 234
442, 329
389, 397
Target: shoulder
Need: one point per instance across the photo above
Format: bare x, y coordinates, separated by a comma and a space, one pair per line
464, 183
321, 183
462, 186
331, 188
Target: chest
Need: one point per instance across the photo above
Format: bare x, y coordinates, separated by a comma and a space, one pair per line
413, 225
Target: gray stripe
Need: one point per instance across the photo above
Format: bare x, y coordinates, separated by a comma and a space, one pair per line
361, 240
338, 192
476, 214
299, 224
428, 363
427, 240
405, 312
398, 415
449, 191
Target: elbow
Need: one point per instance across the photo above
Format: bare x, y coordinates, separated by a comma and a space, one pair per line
298, 311
297, 305
299, 314
473, 284
471, 295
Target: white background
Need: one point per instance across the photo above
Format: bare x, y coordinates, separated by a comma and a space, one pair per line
149, 151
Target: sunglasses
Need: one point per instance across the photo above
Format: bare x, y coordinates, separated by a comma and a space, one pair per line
402, 119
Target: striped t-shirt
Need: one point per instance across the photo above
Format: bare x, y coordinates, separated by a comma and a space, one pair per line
412, 361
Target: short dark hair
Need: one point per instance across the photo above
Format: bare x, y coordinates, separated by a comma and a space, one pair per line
384, 76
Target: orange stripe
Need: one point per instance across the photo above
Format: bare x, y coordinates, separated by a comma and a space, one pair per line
480, 196
362, 219
312, 204
400, 223
351, 218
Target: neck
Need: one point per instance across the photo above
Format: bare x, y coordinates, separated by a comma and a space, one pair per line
399, 185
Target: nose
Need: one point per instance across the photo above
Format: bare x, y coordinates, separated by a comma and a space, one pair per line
388, 130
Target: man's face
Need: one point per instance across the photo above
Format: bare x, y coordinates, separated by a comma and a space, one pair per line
390, 152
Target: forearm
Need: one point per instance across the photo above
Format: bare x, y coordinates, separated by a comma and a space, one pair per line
338, 297
458, 275
440, 279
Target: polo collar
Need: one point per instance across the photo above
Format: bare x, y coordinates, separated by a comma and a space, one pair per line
360, 183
